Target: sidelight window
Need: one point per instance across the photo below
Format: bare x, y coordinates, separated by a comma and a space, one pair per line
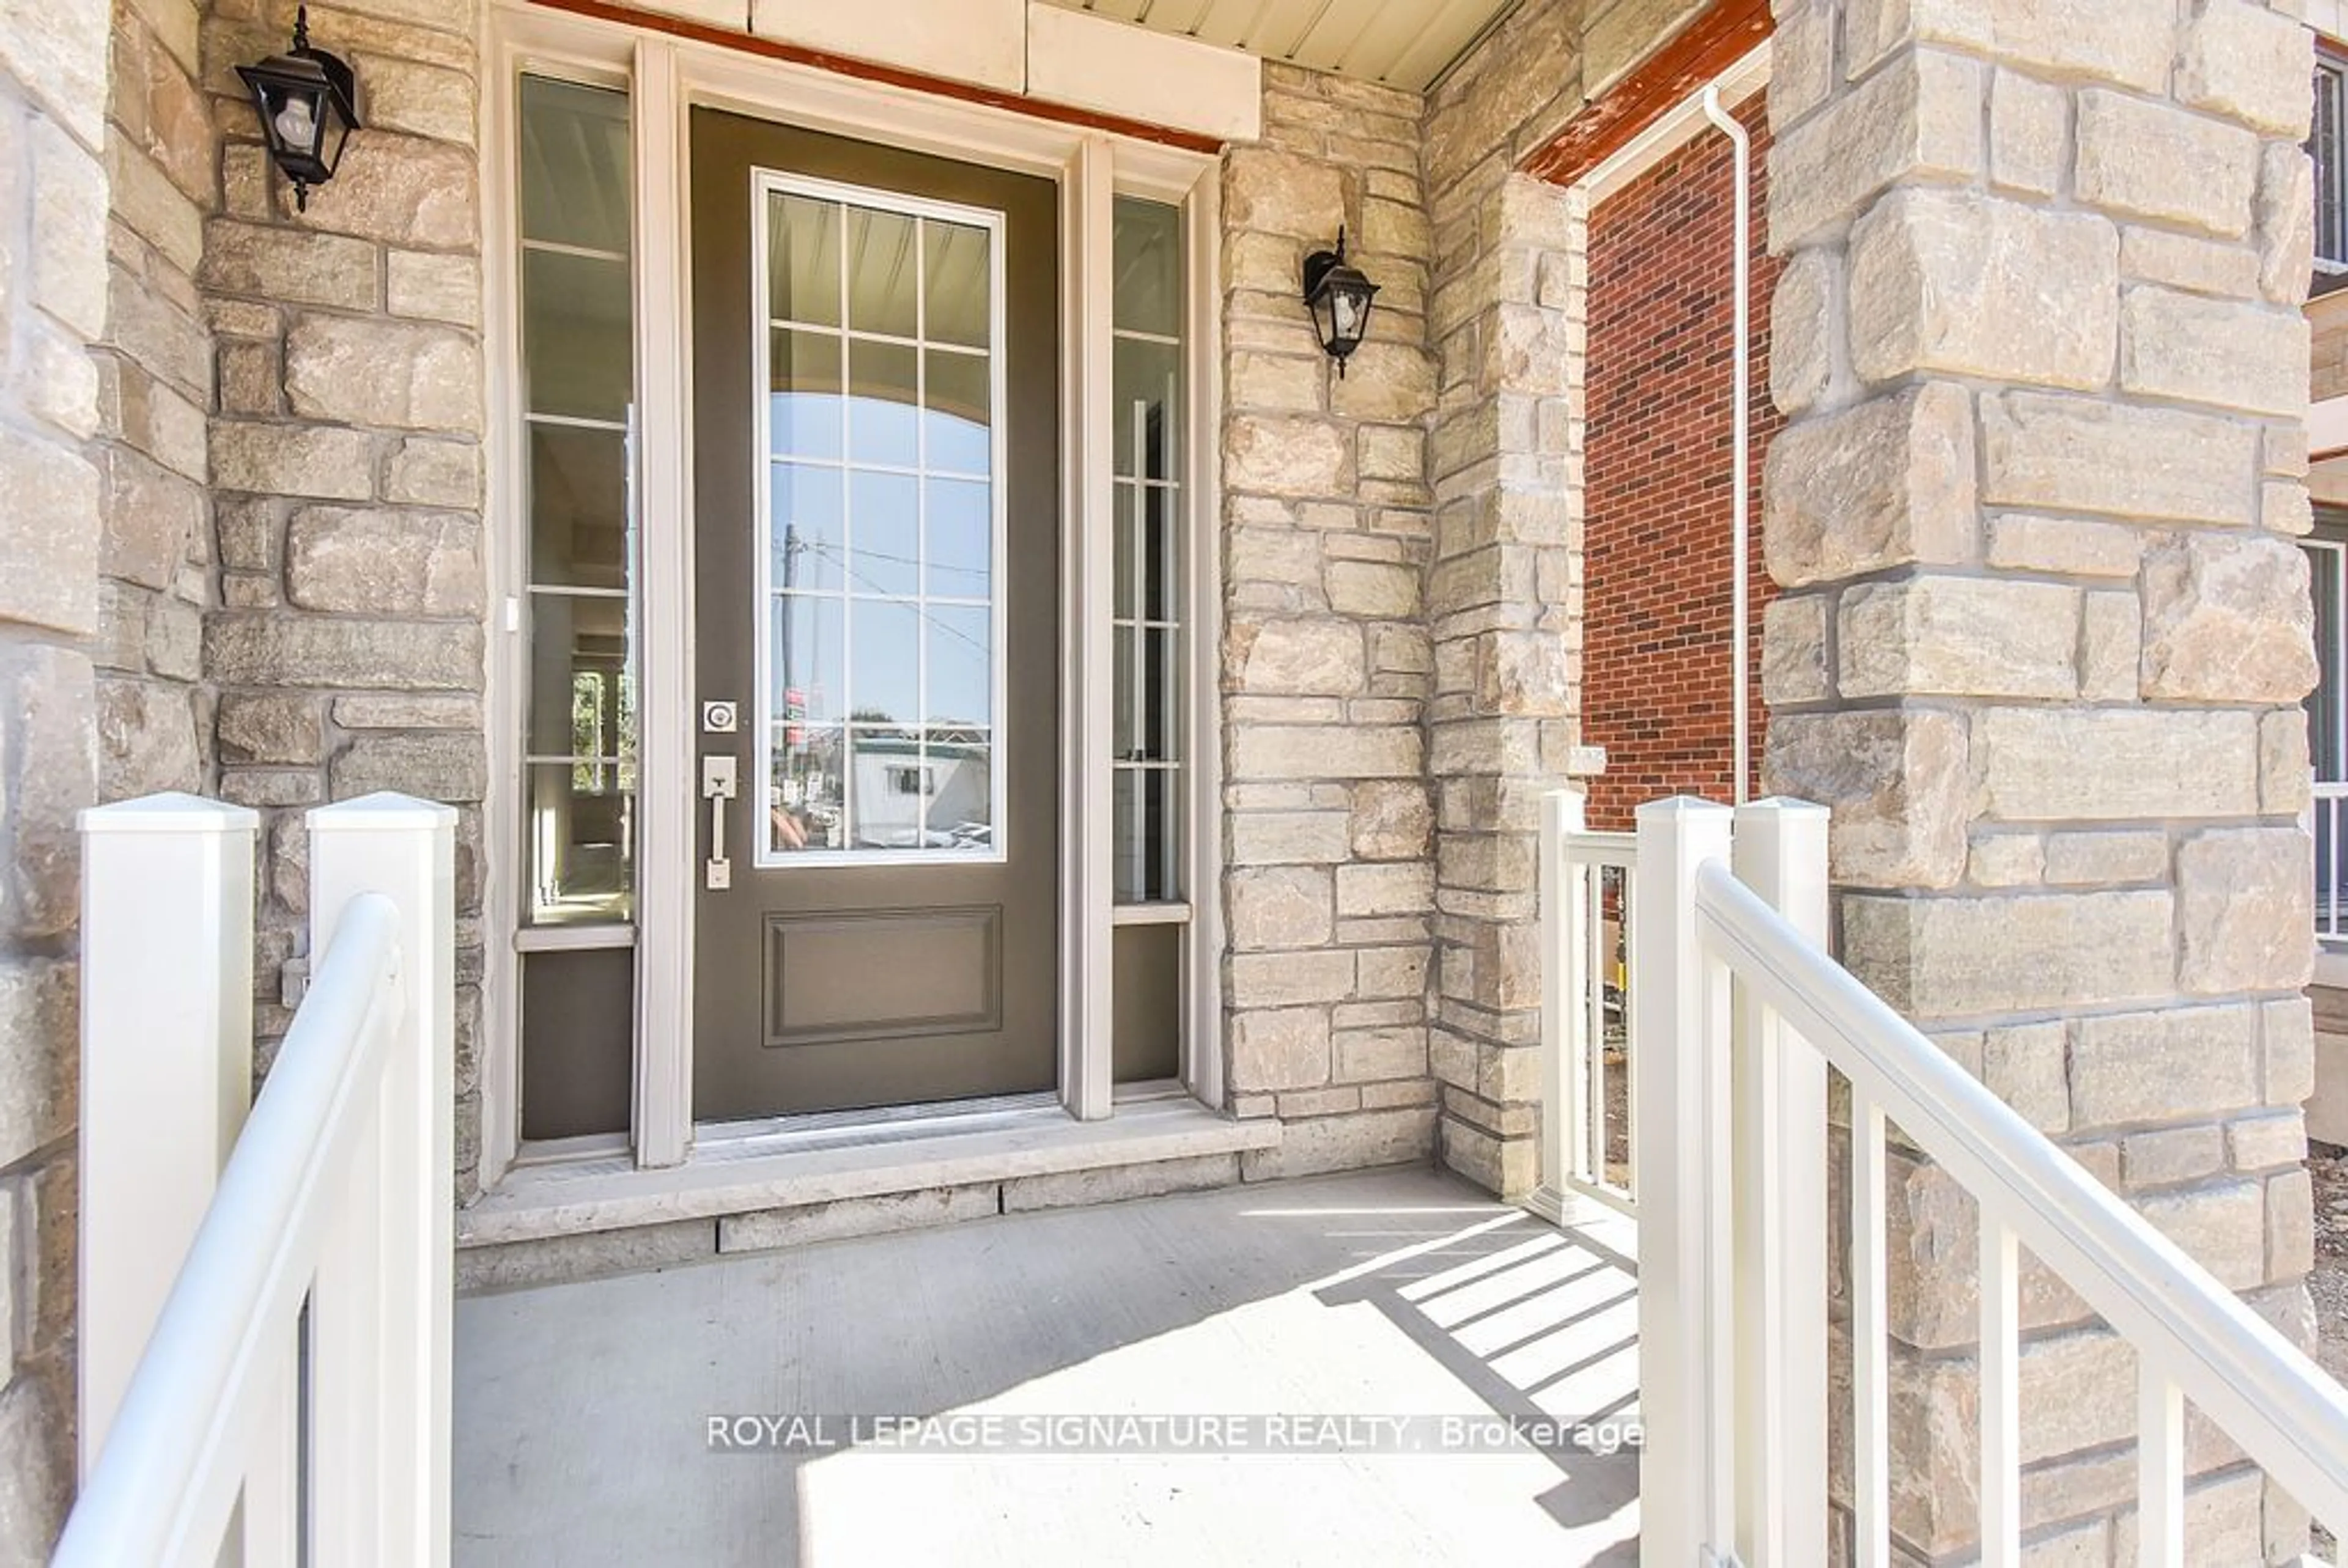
1148, 611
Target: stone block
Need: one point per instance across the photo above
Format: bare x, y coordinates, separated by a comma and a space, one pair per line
884, 1213
1965, 957
2285, 775
1401, 1136
2064, 547
2029, 131
2171, 1155
1899, 784
1283, 837
2232, 354
1959, 636
1920, 118
1286, 980
2005, 860
434, 287
421, 194
260, 649
2045, 764
1370, 1054
2091, 860
272, 459
1400, 888
2184, 262
1794, 668
2287, 1039
1803, 315
1888, 483
1285, 1048
2267, 1143
39, 1054
66, 230
427, 472
2246, 910
2148, 160
2111, 646
1285, 454
381, 562
2286, 219
1391, 820
147, 739
2126, 41
2222, 1227
1278, 906
2248, 62
2084, 455
397, 713
1278, 192
47, 775
446, 767
2290, 1225
1314, 751
289, 265
2227, 618
426, 100
1965, 285
390, 374
268, 728
1373, 589
50, 526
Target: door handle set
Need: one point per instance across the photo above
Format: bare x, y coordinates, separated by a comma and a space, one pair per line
720, 782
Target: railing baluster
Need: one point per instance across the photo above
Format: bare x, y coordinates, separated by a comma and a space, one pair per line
1630, 1044
1594, 1113
271, 1505
1870, 1349
2001, 1402
1560, 1094
2159, 1469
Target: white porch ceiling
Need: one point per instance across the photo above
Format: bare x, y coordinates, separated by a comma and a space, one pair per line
1402, 43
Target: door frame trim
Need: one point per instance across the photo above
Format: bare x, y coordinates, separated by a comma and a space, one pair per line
666, 77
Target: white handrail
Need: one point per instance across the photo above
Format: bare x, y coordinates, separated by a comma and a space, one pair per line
2283, 1409
166, 1479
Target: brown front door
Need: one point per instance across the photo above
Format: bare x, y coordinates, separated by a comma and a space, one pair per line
876, 504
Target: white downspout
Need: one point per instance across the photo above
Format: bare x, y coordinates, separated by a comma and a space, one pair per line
1741, 505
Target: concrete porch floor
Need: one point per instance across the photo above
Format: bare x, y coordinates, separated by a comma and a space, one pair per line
582, 1409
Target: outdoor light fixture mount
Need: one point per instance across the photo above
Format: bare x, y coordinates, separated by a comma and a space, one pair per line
308, 103
1339, 297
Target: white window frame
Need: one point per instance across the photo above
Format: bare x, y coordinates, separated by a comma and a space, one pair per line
767, 183
667, 76
2331, 88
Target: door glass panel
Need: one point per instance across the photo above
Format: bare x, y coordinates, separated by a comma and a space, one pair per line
1147, 244
805, 412
884, 395
803, 261
578, 349
880, 528
581, 829
574, 164
959, 303
578, 507
883, 272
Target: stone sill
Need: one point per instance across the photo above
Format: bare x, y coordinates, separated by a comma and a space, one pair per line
607, 1193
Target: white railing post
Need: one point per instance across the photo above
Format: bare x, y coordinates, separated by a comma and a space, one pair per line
380, 1315
166, 1061
1680, 1020
1563, 1073
1780, 1150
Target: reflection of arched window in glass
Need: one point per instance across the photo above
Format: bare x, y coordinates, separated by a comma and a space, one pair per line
881, 512
1146, 378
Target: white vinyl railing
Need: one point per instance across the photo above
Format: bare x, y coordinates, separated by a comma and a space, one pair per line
1590, 1073
1741, 1012
265, 1284
2328, 815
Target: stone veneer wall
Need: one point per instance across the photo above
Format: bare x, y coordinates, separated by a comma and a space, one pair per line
2042, 645
1504, 591
346, 448
54, 143
1325, 661
155, 392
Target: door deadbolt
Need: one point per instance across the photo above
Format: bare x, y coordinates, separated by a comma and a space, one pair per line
718, 718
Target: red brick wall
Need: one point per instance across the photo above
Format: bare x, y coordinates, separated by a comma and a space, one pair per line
1656, 686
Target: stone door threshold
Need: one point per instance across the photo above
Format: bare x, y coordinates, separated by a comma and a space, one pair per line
784, 1185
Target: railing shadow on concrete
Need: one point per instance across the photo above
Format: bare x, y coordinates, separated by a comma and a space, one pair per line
265, 1284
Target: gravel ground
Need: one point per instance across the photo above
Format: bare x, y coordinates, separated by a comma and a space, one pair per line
2329, 1284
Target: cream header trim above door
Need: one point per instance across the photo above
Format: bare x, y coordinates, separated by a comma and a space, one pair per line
1072, 58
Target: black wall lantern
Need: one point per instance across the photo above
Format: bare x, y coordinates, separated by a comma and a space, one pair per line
309, 107
1339, 297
